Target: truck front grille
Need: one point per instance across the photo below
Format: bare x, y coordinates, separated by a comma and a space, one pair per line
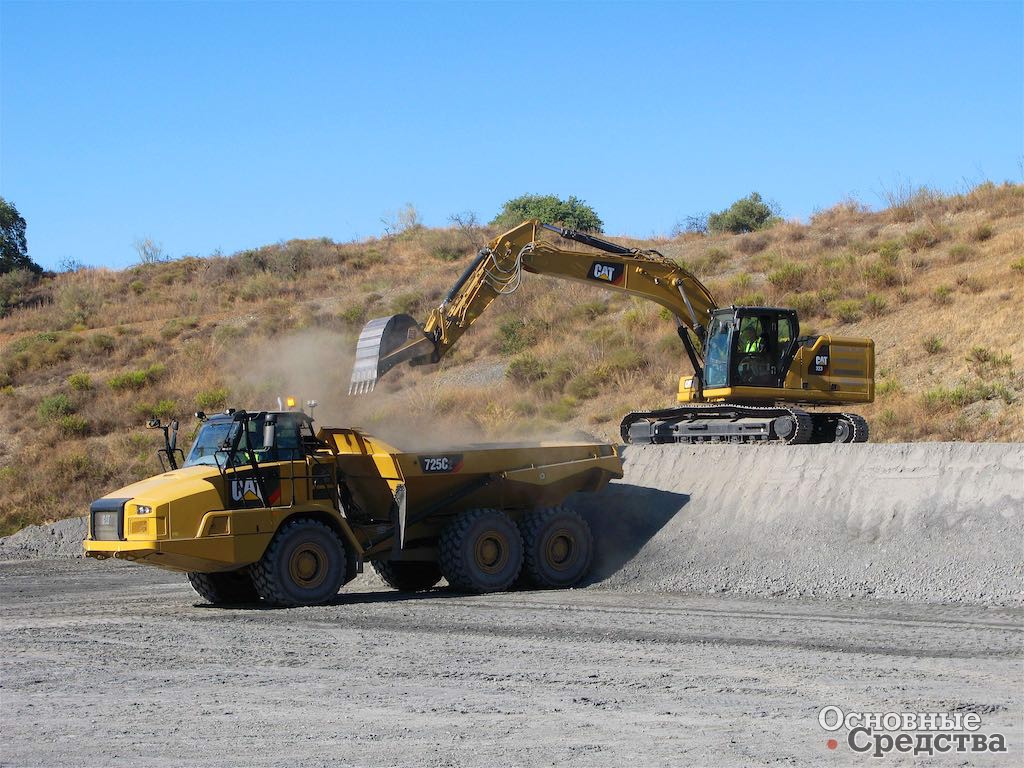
106, 519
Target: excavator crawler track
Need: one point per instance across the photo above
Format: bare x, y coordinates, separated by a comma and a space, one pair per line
741, 424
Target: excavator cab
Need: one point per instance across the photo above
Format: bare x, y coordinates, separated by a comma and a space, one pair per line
749, 347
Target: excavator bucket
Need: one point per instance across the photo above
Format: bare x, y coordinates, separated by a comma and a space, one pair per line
384, 343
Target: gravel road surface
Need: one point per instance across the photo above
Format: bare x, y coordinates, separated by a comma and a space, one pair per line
107, 664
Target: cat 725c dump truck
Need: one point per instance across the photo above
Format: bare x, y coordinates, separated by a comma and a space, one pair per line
265, 507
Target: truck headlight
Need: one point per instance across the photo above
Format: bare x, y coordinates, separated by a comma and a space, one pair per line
142, 509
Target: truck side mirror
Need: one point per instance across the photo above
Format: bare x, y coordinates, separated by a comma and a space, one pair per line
269, 433
172, 441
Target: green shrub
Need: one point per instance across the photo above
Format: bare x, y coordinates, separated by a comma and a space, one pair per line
406, 303
589, 310
165, 409
80, 382
515, 336
1018, 265
589, 384
354, 316
959, 253
55, 406
560, 410
136, 379
525, 369
932, 344
942, 295
138, 287
212, 399
945, 399
446, 253
847, 310
572, 213
889, 252
919, 239
748, 214
971, 284
788, 277
889, 387
73, 426
101, 343
982, 232
881, 274
875, 305
77, 302
806, 304
751, 300
558, 374
260, 286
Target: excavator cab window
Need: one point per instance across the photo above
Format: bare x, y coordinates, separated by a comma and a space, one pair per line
716, 354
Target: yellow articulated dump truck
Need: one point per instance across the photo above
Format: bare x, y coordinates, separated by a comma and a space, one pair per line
267, 507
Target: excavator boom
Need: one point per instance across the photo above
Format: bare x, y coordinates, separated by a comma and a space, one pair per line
498, 269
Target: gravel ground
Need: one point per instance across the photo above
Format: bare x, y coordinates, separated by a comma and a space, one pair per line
107, 664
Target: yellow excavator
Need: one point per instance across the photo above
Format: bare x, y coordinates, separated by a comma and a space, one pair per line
751, 367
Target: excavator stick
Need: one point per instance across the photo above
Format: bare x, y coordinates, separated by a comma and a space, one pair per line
385, 342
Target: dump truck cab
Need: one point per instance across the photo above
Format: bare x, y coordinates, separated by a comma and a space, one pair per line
218, 506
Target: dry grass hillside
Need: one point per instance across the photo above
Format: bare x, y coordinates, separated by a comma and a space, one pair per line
86, 356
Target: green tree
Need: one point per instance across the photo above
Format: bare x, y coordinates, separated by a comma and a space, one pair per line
14, 248
572, 213
747, 214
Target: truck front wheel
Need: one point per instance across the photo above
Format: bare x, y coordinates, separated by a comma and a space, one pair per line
304, 565
229, 588
407, 575
481, 551
558, 548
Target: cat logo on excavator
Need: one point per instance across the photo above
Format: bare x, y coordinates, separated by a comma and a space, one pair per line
608, 273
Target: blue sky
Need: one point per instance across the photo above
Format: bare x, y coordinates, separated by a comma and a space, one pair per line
231, 125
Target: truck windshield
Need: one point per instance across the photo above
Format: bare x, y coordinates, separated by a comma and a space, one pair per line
211, 436
287, 446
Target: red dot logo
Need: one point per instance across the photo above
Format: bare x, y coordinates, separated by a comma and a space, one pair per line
831, 743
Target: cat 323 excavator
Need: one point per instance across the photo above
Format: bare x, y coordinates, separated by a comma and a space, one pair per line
752, 370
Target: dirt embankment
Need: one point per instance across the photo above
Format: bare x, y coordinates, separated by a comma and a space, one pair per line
932, 522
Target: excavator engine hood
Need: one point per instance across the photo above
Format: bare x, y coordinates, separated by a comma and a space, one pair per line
384, 343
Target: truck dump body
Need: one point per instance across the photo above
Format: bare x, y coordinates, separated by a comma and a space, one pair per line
227, 511
436, 485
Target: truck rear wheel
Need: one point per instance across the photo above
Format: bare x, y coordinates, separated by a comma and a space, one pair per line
225, 588
304, 565
557, 548
407, 575
481, 551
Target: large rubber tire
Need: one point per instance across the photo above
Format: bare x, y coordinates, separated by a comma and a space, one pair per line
481, 551
407, 575
558, 548
229, 588
304, 565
